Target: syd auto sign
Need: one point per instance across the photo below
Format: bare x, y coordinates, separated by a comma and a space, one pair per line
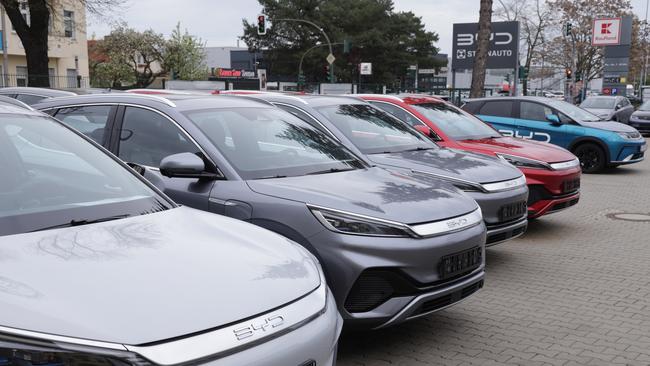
504, 45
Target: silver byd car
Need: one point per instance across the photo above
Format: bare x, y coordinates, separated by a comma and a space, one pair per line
392, 247
97, 267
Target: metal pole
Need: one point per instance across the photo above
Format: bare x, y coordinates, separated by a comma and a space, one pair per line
645, 52
5, 55
515, 79
324, 35
302, 58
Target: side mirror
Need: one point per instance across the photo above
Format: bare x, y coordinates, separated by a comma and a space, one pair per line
428, 132
184, 165
554, 119
618, 106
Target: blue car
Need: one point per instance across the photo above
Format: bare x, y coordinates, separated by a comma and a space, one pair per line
597, 143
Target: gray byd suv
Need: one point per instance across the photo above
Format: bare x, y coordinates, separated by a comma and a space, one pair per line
97, 267
392, 247
498, 187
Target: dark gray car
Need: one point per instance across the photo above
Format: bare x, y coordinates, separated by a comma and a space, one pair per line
393, 247
609, 107
641, 118
100, 268
499, 188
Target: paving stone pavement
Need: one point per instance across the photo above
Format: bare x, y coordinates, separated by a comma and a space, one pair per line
575, 290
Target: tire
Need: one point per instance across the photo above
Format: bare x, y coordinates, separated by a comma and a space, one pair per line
591, 156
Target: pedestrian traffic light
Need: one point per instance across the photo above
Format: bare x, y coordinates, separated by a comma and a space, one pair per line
569, 73
261, 24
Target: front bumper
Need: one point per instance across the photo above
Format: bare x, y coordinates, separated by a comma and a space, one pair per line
641, 126
500, 229
412, 268
630, 153
549, 192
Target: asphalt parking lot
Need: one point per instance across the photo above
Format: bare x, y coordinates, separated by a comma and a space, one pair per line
575, 290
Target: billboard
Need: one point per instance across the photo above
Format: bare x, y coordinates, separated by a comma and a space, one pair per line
606, 32
504, 45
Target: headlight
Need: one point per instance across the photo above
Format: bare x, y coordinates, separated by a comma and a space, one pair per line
30, 352
521, 162
566, 164
348, 223
629, 135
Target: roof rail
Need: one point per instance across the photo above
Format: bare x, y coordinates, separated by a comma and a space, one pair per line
125, 96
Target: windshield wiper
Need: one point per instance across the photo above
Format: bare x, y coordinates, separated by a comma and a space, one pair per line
81, 222
273, 176
419, 148
331, 170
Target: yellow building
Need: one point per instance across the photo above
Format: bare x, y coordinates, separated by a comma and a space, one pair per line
68, 49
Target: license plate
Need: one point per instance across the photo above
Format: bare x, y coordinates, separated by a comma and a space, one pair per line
571, 185
644, 147
512, 211
461, 262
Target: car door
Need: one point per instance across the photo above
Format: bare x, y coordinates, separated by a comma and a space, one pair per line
145, 137
94, 121
625, 110
500, 115
533, 124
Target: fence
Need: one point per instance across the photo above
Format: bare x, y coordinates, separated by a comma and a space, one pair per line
59, 82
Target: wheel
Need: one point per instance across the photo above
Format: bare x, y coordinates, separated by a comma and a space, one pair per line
591, 156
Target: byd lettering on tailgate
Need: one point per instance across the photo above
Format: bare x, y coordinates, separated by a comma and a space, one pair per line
545, 137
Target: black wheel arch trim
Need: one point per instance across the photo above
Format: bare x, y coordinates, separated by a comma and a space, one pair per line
582, 140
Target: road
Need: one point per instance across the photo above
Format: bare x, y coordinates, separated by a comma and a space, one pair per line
575, 290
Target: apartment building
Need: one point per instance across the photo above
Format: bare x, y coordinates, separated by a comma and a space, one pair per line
68, 50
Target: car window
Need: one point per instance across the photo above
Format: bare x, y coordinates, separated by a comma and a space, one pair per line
266, 143
625, 102
89, 120
29, 99
599, 103
534, 111
455, 122
147, 137
57, 176
398, 112
497, 108
303, 116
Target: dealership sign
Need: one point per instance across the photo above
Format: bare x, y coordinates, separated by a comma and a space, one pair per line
606, 32
503, 51
365, 68
232, 73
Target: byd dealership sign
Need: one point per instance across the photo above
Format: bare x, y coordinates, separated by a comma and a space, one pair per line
504, 45
606, 32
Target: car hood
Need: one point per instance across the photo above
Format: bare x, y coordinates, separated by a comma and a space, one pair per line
641, 113
609, 126
148, 278
598, 111
452, 163
519, 147
372, 192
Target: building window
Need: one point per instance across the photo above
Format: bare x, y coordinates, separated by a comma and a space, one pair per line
24, 11
52, 74
68, 24
21, 75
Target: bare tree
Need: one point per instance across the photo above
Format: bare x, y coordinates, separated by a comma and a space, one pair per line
482, 48
534, 17
33, 33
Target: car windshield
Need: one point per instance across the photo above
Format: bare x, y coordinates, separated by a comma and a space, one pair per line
645, 106
598, 103
270, 143
455, 122
54, 178
573, 111
373, 131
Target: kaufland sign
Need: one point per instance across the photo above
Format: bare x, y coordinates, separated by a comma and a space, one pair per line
606, 32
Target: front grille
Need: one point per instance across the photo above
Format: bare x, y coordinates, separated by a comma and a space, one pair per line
370, 291
571, 185
512, 211
537, 192
496, 238
563, 205
435, 304
647, 118
308, 363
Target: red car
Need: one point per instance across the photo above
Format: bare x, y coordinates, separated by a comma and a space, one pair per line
552, 173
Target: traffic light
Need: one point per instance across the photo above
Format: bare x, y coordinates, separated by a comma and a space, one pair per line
569, 73
578, 76
347, 46
567, 29
261, 24
523, 73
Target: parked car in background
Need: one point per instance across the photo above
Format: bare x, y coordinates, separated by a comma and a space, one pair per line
609, 108
393, 247
498, 188
598, 144
641, 118
101, 268
32, 95
552, 173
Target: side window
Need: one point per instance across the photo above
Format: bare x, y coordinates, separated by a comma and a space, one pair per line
625, 102
534, 111
89, 120
29, 99
497, 108
147, 137
398, 112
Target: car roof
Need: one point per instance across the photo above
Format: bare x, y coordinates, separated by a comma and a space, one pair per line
45, 92
531, 98
307, 99
179, 102
15, 102
6, 108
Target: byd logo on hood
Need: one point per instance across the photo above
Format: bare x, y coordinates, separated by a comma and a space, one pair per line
499, 38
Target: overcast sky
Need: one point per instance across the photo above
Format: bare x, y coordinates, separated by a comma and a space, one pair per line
219, 22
